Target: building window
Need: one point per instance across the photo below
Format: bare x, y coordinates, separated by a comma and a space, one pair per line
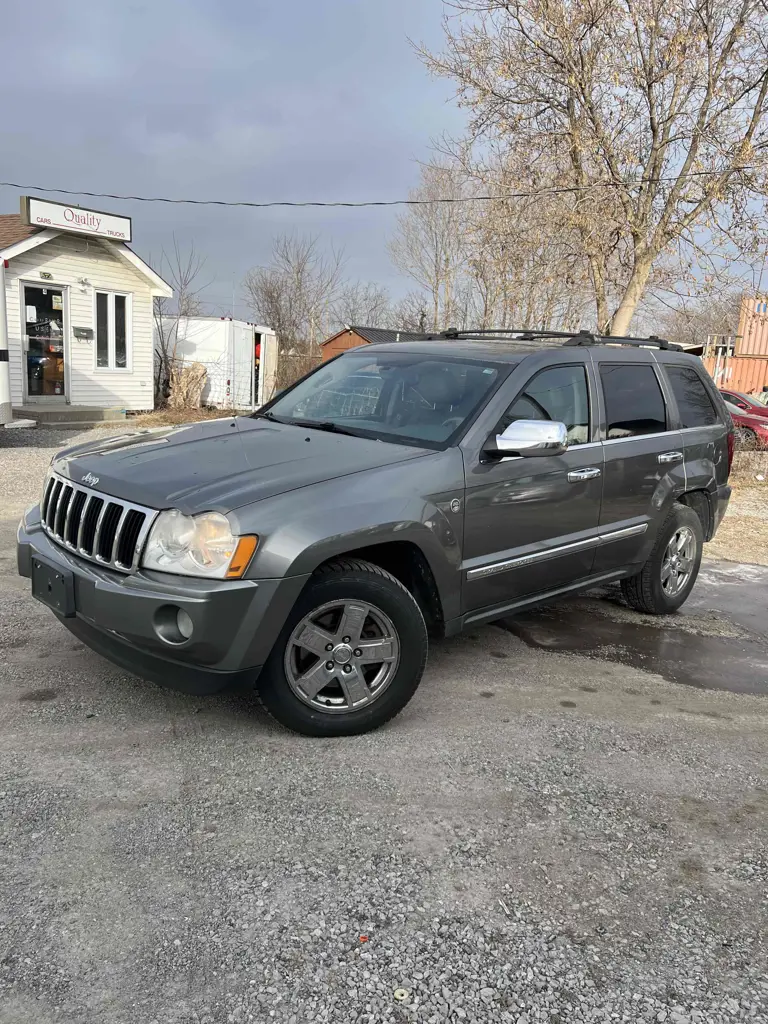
112, 331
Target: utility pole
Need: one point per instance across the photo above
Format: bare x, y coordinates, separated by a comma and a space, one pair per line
6, 414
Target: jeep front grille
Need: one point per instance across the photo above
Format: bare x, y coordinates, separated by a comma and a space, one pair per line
95, 526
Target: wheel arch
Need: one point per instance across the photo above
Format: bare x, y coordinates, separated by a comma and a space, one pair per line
701, 503
407, 562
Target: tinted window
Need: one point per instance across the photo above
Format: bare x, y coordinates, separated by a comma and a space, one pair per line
410, 397
558, 394
693, 401
634, 404
120, 335
102, 330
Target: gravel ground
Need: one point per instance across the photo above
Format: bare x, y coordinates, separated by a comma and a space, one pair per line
540, 837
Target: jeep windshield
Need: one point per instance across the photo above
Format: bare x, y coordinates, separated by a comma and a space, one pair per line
408, 398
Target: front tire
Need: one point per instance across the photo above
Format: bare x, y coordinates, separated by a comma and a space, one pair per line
350, 656
667, 578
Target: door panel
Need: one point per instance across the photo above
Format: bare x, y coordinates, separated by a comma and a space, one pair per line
636, 486
521, 508
644, 461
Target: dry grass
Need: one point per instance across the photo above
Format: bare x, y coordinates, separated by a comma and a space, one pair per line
170, 417
747, 466
743, 534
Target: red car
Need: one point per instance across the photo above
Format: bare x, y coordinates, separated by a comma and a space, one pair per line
744, 403
751, 430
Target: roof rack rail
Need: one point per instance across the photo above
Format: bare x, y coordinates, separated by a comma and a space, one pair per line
524, 334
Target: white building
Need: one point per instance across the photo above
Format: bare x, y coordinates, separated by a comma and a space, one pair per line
240, 358
77, 322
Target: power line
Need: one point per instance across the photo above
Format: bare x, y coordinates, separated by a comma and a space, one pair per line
553, 190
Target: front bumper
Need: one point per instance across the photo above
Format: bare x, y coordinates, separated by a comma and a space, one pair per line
235, 622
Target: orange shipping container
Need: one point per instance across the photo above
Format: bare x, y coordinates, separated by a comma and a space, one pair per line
748, 374
753, 326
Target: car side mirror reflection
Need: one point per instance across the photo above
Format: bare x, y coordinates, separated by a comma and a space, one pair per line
528, 438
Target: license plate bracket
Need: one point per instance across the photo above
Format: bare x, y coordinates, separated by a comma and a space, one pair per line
54, 587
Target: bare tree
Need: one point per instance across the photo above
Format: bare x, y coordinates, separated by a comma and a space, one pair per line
695, 320
295, 295
428, 244
182, 270
490, 263
411, 313
650, 115
363, 304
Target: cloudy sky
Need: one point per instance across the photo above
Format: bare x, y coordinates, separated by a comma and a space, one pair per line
240, 99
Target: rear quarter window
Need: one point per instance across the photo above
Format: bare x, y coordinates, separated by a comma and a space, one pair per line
693, 402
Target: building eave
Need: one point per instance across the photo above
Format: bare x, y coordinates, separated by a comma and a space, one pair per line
338, 334
120, 249
159, 286
18, 248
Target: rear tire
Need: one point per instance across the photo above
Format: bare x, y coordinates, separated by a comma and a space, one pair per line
322, 677
667, 578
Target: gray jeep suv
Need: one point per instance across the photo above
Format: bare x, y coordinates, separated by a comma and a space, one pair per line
395, 492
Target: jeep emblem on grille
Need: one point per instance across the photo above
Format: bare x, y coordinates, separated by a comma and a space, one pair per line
90, 479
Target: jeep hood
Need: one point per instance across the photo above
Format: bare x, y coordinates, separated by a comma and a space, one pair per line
220, 465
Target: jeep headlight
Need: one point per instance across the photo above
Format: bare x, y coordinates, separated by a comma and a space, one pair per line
201, 545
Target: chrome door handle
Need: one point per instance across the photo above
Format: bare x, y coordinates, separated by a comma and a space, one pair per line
583, 474
671, 457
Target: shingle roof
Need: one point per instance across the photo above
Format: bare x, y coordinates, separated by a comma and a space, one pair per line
384, 336
12, 230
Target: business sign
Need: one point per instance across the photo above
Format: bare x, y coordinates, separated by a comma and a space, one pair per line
43, 213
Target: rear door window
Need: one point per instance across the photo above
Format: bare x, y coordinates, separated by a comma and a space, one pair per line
634, 404
693, 401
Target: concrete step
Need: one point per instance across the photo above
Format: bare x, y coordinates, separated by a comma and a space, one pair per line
108, 426
68, 414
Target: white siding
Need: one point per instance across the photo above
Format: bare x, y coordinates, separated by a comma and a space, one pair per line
69, 258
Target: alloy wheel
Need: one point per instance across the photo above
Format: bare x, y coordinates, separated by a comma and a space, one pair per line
342, 656
678, 562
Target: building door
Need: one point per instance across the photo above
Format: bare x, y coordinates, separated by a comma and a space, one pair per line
42, 314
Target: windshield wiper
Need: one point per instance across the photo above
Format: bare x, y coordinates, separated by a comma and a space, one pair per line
328, 425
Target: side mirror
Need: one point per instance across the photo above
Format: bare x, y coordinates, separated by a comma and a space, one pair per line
529, 438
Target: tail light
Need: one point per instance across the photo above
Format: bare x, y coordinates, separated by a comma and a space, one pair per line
731, 447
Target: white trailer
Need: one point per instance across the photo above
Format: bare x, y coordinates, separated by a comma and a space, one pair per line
240, 358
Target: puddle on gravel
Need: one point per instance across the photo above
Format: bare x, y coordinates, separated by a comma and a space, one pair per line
707, 662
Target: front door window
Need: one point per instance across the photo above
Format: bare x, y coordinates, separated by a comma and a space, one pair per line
44, 328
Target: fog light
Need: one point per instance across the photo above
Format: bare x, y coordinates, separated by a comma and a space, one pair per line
185, 624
